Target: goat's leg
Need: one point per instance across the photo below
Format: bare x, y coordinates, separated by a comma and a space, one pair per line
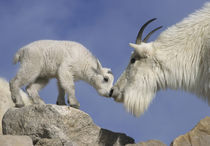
71, 96
15, 85
33, 90
66, 80
68, 86
25, 75
61, 95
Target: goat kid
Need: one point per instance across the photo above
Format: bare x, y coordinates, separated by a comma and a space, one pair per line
66, 61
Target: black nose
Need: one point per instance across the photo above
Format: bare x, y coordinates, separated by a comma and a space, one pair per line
111, 92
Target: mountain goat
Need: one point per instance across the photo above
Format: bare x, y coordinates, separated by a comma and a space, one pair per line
178, 59
64, 60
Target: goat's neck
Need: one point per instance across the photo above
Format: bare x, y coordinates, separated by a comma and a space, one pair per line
180, 68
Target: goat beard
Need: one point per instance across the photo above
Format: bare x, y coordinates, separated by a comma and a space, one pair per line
139, 95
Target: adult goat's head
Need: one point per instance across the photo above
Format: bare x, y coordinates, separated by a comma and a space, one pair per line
139, 82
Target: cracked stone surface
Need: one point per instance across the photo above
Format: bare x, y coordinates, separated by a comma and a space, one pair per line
198, 136
46, 123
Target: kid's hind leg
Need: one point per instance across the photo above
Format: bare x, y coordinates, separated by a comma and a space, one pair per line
24, 76
15, 85
33, 90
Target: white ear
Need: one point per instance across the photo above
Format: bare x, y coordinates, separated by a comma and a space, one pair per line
99, 67
132, 45
142, 49
137, 48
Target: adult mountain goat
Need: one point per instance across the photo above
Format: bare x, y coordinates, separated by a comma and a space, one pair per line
64, 60
178, 59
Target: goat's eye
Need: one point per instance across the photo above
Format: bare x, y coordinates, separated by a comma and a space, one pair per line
133, 60
106, 79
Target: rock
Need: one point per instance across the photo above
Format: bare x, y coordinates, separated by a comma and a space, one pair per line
9, 140
49, 142
198, 136
45, 123
6, 100
148, 143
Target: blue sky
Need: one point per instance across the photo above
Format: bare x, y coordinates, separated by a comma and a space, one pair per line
105, 28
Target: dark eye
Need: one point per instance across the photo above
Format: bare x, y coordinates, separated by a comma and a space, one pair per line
133, 60
106, 79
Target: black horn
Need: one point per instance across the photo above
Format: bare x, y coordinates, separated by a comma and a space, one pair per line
149, 34
139, 36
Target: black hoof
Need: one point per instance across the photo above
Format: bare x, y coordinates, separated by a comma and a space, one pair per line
60, 103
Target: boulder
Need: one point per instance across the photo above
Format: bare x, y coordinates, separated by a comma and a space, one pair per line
10, 140
198, 136
46, 123
6, 100
148, 143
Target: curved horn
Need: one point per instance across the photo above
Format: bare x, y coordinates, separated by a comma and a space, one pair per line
148, 36
139, 36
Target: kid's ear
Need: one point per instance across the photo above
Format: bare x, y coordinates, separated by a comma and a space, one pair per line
99, 67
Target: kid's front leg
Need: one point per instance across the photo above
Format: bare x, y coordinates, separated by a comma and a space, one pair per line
66, 81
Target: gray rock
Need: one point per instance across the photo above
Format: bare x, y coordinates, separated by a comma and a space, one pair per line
198, 136
148, 143
45, 123
10, 140
49, 142
54, 142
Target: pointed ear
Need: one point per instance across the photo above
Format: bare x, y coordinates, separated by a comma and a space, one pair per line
143, 49
135, 46
99, 67
138, 49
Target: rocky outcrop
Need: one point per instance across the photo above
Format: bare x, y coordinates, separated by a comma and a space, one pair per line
6, 100
52, 125
9, 140
198, 136
59, 125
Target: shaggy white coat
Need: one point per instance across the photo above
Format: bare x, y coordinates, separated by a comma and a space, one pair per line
64, 60
178, 59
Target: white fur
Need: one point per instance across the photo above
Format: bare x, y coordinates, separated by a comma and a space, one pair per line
178, 59
64, 60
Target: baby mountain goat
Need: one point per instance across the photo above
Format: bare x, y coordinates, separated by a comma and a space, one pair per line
64, 60
178, 59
